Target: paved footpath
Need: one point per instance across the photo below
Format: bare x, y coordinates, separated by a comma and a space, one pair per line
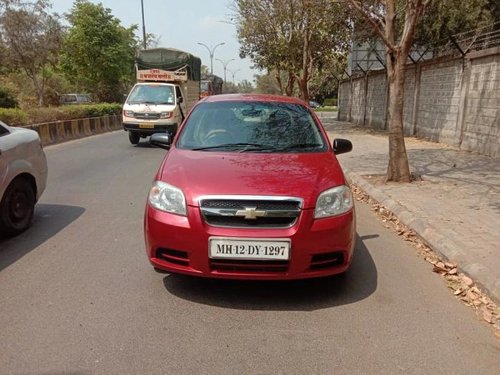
455, 208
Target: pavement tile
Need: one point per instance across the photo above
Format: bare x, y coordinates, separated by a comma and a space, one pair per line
455, 208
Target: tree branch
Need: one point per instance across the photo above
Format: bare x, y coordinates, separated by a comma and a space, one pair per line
376, 28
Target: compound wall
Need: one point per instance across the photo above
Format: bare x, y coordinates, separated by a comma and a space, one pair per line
453, 100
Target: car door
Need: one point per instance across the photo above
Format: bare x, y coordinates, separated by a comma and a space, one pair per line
181, 103
4, 156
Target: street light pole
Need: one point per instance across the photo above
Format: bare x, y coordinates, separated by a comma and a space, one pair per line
211, 53
224, 64
143, 26
233, 72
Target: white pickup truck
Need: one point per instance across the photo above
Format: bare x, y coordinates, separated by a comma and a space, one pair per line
161, 98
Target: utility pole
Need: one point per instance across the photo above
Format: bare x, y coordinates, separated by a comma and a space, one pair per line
143, 26
233, 72
211, 53
224, 64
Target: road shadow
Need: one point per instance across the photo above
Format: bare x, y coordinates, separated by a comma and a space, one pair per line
300, 295
145, 144
48, 220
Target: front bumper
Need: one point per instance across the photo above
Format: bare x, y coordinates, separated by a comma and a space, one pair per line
180, 244
155, 128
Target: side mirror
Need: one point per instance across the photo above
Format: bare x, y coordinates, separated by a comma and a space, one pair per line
162, 140
180, 99
341, 146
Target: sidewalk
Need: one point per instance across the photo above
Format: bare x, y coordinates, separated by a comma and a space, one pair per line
455, 209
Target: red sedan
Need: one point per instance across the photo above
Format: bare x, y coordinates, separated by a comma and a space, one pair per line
250, 189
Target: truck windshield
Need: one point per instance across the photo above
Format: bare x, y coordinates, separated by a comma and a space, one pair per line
152, 94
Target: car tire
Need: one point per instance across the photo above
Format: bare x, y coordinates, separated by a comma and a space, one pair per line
134, 137
17, 207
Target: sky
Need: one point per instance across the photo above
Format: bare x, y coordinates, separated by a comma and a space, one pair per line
182, 24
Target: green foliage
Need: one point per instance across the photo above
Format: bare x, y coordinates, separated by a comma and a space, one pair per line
7, 100
295, 36
330, 102
443, 18
267, 84
17, 117
13, 116
30, 40
98, 52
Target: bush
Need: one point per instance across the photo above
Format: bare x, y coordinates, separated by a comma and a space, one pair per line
70, 112
50, 114
13, 116
330, 102
7, 100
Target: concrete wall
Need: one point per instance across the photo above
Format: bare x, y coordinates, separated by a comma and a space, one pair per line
60, 131
376, 100
452, 100
481, 131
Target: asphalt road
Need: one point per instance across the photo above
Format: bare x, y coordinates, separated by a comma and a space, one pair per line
77, 295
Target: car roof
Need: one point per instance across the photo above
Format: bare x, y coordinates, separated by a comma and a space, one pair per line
253, 98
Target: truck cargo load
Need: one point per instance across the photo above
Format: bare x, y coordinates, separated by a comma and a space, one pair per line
169, 59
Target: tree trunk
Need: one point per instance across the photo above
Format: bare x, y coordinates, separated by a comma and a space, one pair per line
304, 90
277, 75
290, 83
398, 168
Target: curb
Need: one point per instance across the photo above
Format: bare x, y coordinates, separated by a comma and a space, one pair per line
448, 249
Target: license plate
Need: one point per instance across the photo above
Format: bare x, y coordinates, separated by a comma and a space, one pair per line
263, 249
146, 126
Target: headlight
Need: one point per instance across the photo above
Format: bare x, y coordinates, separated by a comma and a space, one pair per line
165, 197
166, 114
128, 113
332, 202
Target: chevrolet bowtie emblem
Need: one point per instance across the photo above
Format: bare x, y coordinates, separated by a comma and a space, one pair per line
250, 213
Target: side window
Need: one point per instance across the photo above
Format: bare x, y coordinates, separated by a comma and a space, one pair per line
178, 92
3, 131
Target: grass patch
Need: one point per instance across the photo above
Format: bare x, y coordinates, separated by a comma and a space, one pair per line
326, 109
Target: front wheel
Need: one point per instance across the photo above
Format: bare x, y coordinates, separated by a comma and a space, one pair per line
17, 207
133, 137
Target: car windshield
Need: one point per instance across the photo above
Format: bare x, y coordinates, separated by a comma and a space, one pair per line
152, 94
240, 126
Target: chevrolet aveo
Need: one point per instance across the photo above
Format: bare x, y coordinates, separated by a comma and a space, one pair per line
250, 189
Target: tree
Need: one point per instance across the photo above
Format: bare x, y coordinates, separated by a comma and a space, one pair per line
31, 38
98, 53
267, 84
381, 16
324, 82
444, 18
292, 36
245, 87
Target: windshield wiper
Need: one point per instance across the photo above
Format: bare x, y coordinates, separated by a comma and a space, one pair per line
242, 147
299, 146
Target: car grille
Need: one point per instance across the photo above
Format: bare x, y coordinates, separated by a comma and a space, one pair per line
147, 115
259, 266
268, 212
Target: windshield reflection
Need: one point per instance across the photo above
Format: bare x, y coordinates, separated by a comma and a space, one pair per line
239, 126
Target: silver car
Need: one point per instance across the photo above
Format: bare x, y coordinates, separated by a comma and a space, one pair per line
23, 175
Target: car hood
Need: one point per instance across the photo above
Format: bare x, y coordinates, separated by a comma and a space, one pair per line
200, 173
